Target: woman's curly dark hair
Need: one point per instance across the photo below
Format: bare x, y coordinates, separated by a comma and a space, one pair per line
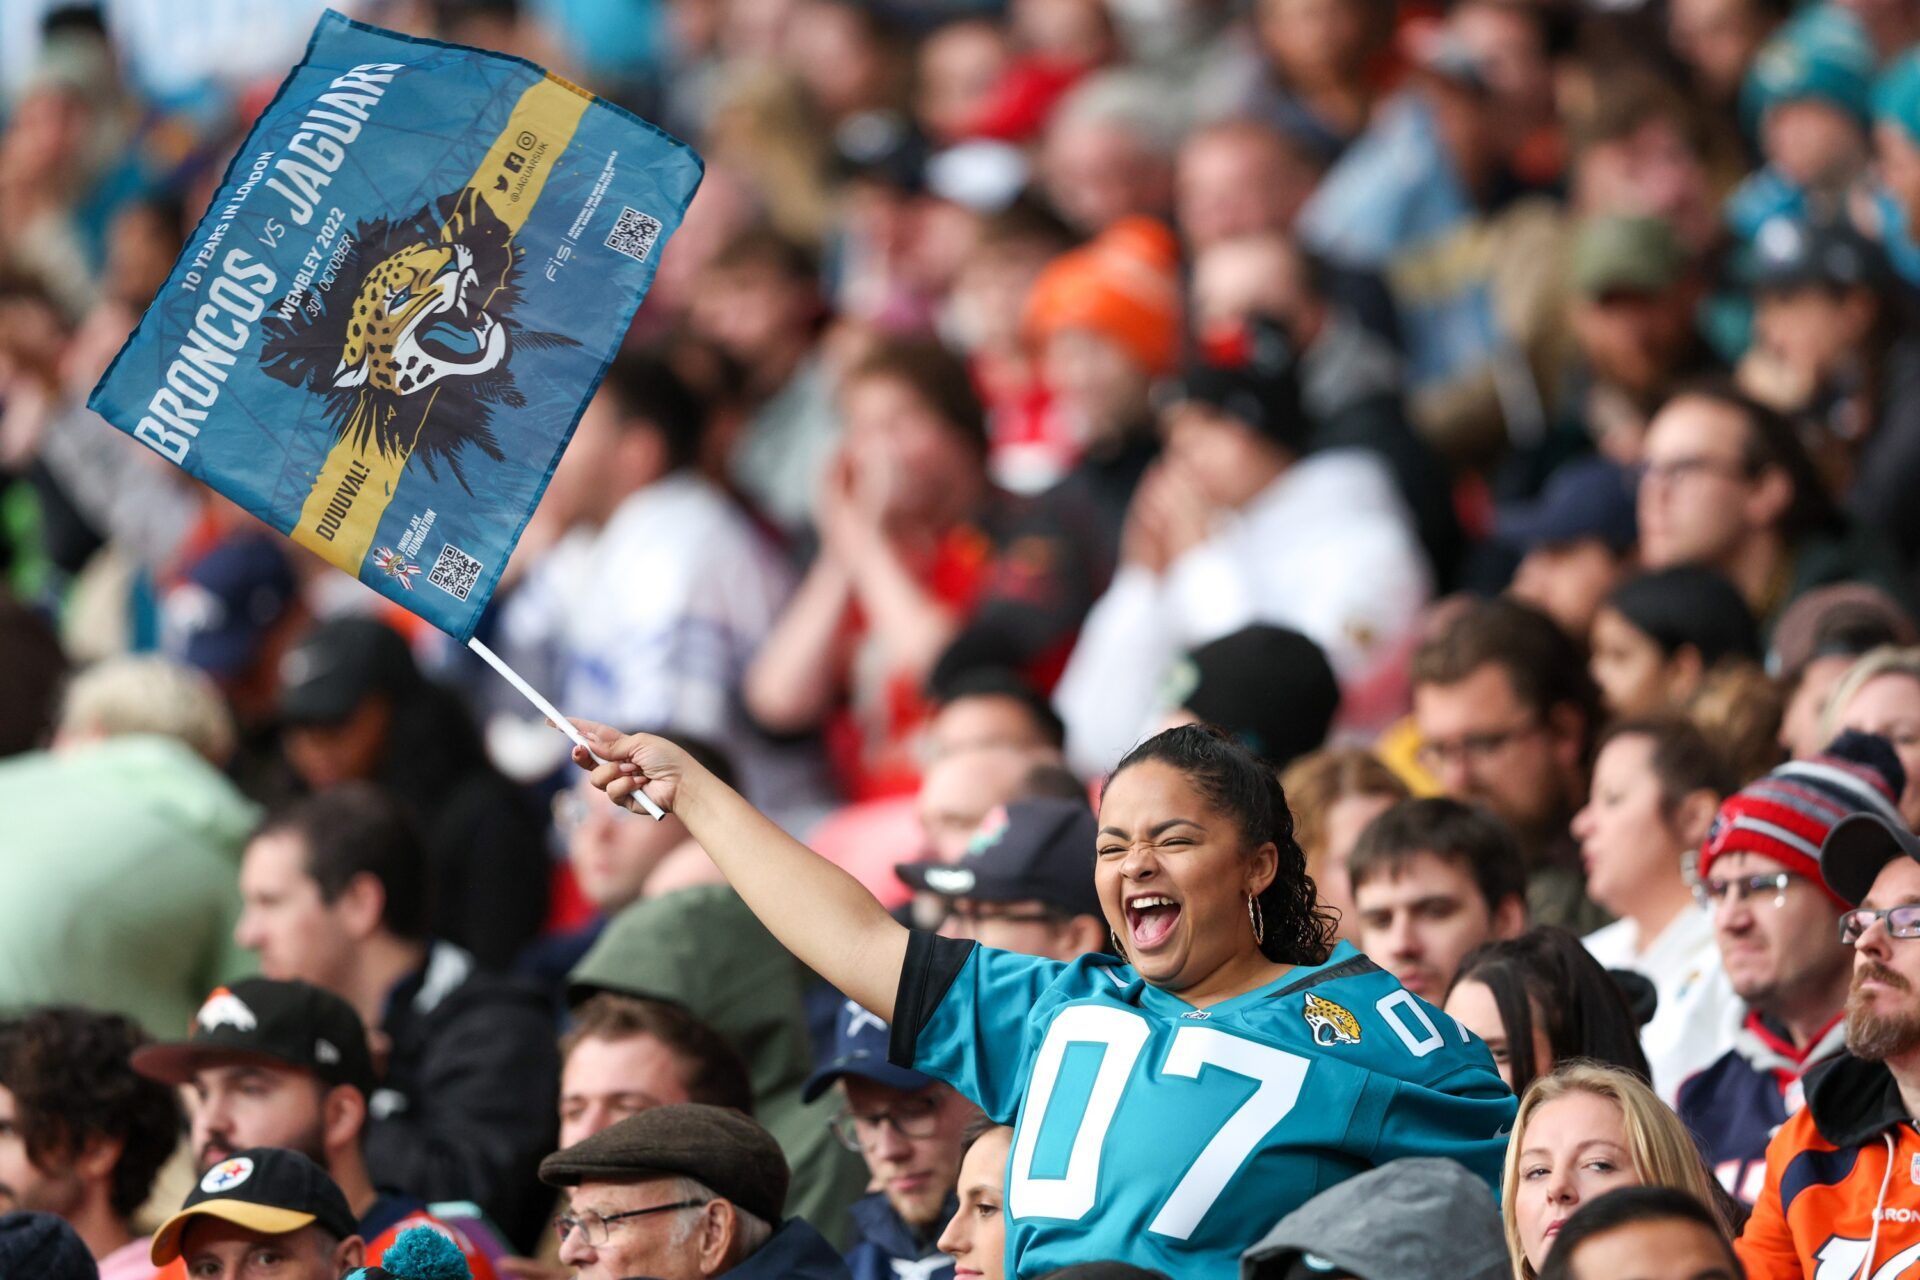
1299, 930
71, 1075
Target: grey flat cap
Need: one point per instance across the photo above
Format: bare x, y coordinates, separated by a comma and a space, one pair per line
714, 1145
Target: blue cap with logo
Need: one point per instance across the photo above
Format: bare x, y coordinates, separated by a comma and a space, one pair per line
218, 618
860, 1049
1038, 850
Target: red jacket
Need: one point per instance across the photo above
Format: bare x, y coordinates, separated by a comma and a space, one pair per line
1842, 1195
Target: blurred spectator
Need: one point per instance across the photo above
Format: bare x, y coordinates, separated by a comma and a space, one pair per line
672, 654
148, 695
1352, 386
909, 1128
1896, 134
693, 1158
1727, 484
1506, 714
904, 517
337, 888
1635, 298
1236, 526
1581, 1132
1806, 101
623, 1054
701, 950
1575, 541
119, 897
1109, 151
1319, 54
1540, 1000
1432, 880
992, 708
1660, 634
1880, 695
1830, 349
613, 854
1105, 319
977, 1237
960, 65
1855, 1120
1774, 919
1657, 785
1718, 40
1430, 173
1269, 687
1648, 1231
81, 1135
1382, 1225
233, 612
959, 791
759, 301
30, 650
1239, 178
1022, 885
354, 707
1816, 642
285, 1064
1643, 150
1334, 794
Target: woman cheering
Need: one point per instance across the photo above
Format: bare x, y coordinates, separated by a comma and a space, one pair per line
1169, 1105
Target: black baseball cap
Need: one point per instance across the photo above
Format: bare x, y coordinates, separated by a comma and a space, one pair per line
340, 662
265, 1189
1796, 253
1039, 849
293, 1023
1857, 848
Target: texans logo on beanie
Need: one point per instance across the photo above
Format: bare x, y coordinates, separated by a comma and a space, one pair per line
419, 1254
1786, 814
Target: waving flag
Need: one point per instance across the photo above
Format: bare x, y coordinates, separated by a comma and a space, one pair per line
381, 335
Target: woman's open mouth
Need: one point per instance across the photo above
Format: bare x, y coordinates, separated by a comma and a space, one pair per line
1150, 920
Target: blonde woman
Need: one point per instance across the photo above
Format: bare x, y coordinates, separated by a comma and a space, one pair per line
1881, 694
1582, 1131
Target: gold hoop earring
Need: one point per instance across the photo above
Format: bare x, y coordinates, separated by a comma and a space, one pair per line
1254, 916
1118, 950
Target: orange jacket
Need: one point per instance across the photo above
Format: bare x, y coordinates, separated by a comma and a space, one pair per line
1842, 1195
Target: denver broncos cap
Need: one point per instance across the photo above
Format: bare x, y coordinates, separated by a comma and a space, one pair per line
264, 1189
292, 1023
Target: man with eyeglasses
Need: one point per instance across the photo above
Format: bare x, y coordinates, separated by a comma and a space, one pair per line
910, 1129
1024, 882
683, 1192
1842, 1193
1775, 921
1506, 712
1727, 484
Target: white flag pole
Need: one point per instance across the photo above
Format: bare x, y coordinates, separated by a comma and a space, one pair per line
552, 713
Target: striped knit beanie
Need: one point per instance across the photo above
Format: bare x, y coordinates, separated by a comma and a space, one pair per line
1786, 814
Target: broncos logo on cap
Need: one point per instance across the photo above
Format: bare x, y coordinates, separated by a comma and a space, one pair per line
225, 1009
1332, 1024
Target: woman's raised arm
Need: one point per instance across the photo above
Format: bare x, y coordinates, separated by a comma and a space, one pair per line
817, 911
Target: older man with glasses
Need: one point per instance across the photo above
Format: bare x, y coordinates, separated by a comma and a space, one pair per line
1775, 920
683, 1192
1842, 1195
910, 1129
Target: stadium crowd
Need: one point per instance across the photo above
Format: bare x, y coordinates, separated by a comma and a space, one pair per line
1279, 638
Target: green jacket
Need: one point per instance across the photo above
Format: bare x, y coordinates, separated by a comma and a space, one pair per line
119, 870
702, 949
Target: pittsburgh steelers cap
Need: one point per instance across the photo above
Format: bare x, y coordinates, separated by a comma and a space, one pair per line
264, 1189
294, 1023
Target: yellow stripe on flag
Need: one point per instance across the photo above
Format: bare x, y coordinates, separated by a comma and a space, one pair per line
355, 485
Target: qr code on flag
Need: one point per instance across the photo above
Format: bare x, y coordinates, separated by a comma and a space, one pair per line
634, 234
455, 572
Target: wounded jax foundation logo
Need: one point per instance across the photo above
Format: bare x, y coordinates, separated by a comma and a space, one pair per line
413, 361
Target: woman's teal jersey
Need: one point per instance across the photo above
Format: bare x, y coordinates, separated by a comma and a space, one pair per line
1151, 1132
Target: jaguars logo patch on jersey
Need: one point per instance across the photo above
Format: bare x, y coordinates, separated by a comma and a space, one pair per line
1332, 1024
